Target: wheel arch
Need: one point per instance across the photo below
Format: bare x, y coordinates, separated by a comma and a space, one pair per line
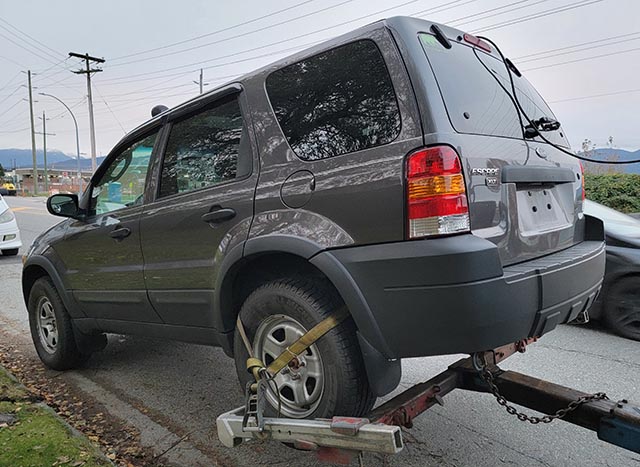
274, 257
39, 266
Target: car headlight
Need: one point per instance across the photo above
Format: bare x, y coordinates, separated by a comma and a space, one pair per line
6, 216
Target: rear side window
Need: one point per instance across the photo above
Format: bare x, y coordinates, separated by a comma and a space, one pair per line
474, 99
337, 102
203, 150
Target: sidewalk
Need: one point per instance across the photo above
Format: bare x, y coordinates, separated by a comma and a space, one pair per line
31, 434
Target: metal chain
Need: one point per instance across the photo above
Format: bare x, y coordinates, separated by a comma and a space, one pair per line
486, 375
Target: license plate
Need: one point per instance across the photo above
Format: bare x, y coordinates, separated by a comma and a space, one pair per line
539, 211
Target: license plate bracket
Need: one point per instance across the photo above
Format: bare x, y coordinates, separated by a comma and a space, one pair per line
539, 210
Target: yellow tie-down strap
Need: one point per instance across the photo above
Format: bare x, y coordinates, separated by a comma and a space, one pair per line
307, 340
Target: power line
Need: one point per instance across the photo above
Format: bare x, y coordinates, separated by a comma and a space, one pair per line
35, 47
8, 96
583, 59
9, 108
210, 33
12, 61
190, 65
15, 131
578, 50
542, 14
528, 4
283, 41
576, 45
8, 83
107, 105
236, 36
55, 52
28, 50
437, 9
617, 93
441, 8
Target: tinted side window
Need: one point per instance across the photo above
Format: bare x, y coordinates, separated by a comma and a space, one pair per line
122, 185
336, 102
203, 149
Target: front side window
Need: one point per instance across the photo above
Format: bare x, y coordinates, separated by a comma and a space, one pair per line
203, 149
337, 102
122, 185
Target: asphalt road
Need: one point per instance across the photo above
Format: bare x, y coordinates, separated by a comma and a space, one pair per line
171, 390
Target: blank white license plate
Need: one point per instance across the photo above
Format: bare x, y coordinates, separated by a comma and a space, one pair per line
539, 211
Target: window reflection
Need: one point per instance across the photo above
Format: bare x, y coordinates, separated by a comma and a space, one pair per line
202, 150
336, 102
122, 185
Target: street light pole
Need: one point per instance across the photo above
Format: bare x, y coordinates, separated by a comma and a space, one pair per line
75, 122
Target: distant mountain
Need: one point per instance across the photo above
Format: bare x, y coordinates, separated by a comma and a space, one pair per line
55, 159
615, 154
23, 157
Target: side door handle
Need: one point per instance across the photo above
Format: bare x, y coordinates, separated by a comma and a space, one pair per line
219, 215
120, 233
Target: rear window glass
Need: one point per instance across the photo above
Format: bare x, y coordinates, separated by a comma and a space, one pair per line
474, 100
531, 101
337, 102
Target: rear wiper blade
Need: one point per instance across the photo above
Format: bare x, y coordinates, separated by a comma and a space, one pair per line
541, 124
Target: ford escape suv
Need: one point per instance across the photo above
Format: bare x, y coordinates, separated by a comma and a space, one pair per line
391, 170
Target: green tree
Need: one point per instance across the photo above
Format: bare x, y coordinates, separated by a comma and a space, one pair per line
1, 171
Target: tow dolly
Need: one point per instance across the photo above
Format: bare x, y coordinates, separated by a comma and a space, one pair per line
340, 439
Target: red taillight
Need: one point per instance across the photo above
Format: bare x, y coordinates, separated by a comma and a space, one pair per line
473, 40
436, 195
584, 194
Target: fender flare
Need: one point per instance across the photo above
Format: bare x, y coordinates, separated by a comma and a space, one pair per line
46, 264
369, 335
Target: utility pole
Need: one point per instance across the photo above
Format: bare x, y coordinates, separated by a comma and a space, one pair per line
201, 82
88, 58
44, 149
33, 137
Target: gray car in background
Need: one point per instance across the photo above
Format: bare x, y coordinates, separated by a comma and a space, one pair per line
387, 171
618, 305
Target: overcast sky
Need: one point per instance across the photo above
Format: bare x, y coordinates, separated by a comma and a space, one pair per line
135, 78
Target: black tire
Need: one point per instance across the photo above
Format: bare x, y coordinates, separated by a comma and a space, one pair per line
61, 353
622, 308
345, 388
10, 252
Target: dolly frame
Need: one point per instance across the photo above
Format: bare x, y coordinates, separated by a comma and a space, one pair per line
341, 438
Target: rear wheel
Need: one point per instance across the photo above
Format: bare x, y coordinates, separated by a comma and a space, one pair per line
51, 328
622, 308
10, 252
329, 377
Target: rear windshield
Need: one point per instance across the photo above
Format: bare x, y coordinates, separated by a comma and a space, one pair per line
470, 83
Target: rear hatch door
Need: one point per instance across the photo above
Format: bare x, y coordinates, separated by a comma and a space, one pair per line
524, 195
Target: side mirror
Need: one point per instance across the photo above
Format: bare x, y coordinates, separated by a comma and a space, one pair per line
63, 205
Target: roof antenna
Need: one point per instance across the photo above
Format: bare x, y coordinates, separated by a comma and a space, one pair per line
158, 109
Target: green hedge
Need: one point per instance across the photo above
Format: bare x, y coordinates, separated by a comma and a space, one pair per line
618, 191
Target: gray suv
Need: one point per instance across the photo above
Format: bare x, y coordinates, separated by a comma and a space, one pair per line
391, 170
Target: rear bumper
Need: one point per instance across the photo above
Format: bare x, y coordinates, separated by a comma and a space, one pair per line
451, 295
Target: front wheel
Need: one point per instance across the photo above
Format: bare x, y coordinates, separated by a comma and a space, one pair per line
51, 328
329, 377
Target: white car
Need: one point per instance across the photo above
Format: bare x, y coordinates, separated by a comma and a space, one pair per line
9, 233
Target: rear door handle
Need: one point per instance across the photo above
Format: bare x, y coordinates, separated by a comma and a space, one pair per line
219, 215
120, 233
